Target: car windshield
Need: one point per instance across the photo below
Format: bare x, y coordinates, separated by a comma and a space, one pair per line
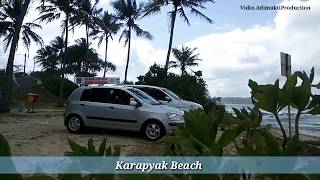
144, 96
172, 94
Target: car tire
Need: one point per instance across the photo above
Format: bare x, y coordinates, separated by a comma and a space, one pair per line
74, 124
153, 130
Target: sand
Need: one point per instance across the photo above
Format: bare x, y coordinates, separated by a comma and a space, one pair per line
43, 134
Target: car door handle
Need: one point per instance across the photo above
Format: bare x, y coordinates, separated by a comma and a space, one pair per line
82, 105
111, 107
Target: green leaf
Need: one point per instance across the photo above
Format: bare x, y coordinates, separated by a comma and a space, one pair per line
227, 137
238, 113
102, 147
76, 147
287, 91
272, 145
91, 148
301, 94
312, 75
253, 85
4, 147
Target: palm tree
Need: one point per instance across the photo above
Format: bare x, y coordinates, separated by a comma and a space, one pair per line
53, 10
79, 64
107, 25
128, 12
178, 7
47, 59
84, 14
51, 56
185, 58
12, 13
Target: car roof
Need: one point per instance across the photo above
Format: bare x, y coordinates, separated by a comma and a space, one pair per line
108, 86
148, 86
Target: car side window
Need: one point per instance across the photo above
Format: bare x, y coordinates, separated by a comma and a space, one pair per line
101, 95
118, 96
155, 93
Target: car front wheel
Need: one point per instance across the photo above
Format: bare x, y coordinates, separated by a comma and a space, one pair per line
153, 130
74, 124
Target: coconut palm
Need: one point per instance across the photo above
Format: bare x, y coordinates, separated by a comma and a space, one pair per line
47, 59
84, 14
185, 58
178, 8
12, 13
129, 12
79, 64
51, 56
52, 10
107, 26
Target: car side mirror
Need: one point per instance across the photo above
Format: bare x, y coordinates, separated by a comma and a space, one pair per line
133, 102
167, 98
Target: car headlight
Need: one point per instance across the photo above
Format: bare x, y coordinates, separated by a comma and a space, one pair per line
175, 117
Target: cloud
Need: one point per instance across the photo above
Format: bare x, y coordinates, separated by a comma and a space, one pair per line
231, 58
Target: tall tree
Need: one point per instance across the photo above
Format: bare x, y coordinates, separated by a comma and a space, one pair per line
81, 65
51, 56
129, 12
86, 10
52, 10
107, 26
185, 58
12, 13
178, 7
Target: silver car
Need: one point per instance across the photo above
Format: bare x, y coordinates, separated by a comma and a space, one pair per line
167, 97
119, 107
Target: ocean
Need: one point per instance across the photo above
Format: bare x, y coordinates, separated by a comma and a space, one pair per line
309, 124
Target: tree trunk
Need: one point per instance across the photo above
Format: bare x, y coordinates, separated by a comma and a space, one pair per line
6, 96
65, 56
296, 124
128, 56
105, 58
173, 20
87, 39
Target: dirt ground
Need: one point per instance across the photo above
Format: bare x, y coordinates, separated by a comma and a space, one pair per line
43, 134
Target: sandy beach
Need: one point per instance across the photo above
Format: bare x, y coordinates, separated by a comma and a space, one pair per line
43, 134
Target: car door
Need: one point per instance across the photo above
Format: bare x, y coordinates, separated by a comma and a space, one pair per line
92, 106
120, 114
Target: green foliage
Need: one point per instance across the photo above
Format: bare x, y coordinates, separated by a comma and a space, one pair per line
199, 135
273, 99
103, 150
196, 91
52, 82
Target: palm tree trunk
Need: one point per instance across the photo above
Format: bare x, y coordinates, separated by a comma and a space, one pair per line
87, 39
60, 102
173, 20
128, 56
105, 58
6, 96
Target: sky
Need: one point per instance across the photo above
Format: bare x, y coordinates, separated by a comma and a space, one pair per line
240, 45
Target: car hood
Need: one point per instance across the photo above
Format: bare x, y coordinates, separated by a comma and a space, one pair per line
168, 109
189, 104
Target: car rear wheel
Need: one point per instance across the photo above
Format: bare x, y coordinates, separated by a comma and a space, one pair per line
153, 130
74, 124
